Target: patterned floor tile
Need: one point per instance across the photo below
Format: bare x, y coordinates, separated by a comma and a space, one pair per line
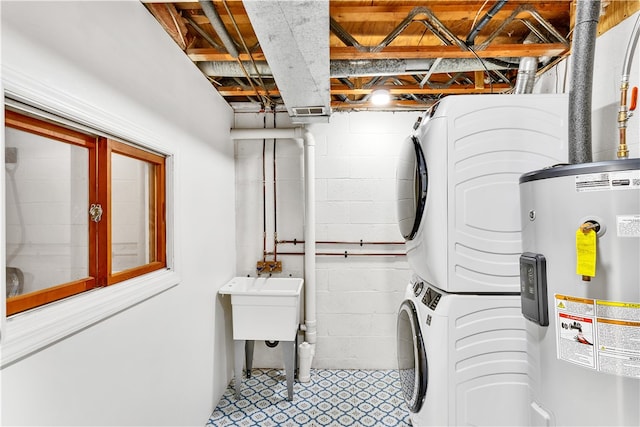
357, 398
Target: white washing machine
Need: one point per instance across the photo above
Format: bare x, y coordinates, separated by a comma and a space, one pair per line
462, 358
457, 185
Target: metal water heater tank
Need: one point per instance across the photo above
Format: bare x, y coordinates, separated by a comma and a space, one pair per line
580, 291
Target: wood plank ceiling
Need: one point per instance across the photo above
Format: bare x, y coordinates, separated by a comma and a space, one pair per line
421, 50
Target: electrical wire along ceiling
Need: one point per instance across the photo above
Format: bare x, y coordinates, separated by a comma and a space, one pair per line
317, 56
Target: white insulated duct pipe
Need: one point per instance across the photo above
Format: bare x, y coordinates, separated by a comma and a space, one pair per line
309, 146
581, 84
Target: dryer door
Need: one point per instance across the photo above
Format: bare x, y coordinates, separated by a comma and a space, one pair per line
412, 358
411, 187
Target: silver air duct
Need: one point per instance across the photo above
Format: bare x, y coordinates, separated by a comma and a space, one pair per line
527, 70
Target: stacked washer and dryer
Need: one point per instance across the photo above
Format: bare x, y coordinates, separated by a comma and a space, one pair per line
461, 335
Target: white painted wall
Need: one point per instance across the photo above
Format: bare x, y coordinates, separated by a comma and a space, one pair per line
358, 297
164, 361
608, 61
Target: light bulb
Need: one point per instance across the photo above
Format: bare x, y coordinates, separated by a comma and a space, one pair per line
380, 97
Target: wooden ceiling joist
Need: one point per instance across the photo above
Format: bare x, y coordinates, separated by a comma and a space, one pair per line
394, 90
417, 52
445, 11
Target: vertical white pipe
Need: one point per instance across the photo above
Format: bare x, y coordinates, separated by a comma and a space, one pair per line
300, 134
310, 236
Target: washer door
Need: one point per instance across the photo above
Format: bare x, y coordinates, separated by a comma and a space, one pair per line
412, 358
411, 187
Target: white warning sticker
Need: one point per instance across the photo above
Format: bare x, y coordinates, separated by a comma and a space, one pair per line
628, 225
607, 181
598, 334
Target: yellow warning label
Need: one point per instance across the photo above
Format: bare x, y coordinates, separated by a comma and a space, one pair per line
618, 304
586, 253
561, 305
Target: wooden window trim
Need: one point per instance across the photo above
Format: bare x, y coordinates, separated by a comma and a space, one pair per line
99, 155
39, 298
157, 220
48, 129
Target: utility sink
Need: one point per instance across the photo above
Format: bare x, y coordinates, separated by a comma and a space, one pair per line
264, 308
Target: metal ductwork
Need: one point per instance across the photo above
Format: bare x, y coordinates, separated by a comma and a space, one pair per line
581, 84
233, 69
397, 67
363, 68
527, 70
294, 39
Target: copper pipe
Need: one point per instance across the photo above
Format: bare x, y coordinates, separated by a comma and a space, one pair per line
623, 117
264, 197
348, 254
275, 204
337, 242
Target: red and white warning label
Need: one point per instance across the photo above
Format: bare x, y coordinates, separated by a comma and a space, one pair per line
600, 335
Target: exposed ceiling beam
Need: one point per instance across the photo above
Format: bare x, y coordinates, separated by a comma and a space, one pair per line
414, 52
169, 18
445, 11
394, 90
393, 105
210, 54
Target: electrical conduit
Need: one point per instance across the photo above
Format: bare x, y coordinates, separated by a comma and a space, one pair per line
307, 348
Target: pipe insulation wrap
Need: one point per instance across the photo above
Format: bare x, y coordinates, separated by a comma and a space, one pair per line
216, 22
343, 68
581, 84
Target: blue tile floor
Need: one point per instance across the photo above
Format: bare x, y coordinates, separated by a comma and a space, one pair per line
332, 398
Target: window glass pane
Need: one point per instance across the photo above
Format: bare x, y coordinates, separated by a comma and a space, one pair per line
46, 184
133, 207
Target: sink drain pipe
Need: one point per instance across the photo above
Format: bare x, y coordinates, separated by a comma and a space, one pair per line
299, 134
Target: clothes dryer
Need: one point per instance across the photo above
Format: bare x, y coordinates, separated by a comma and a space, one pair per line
457, 186
462, 358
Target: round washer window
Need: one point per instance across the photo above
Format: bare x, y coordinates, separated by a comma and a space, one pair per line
412, 358
411, 187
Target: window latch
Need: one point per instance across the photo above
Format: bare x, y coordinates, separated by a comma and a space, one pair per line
95, 212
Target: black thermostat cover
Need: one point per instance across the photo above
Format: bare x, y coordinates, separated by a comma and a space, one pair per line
533, 288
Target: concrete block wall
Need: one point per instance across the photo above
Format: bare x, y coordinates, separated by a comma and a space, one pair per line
357, 296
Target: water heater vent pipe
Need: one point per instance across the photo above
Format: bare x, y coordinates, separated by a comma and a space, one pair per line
583, 48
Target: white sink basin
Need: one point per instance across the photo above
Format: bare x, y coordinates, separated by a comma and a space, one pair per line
264, 308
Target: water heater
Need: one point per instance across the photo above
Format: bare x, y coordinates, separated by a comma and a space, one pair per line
580, 291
